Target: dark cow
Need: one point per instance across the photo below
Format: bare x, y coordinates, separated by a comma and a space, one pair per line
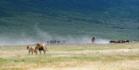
41, 47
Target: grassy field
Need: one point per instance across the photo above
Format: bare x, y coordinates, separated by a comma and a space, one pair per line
72, 57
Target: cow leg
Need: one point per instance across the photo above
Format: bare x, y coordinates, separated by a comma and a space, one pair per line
44, 51
40, 52
28, 52
36, 52
32, 52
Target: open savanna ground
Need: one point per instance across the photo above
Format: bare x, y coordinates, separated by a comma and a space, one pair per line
72, 57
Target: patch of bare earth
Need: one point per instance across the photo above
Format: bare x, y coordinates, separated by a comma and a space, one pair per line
111, 52
98, 65
12, 53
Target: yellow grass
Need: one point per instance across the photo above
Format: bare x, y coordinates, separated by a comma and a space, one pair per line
72, 57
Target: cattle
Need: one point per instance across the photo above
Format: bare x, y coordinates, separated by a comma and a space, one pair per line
31, 50
56, 41
40, 47
119, 41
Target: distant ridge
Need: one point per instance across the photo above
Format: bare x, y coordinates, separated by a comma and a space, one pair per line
58, 19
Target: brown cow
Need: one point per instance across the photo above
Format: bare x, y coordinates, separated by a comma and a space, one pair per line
41, 47
31, 50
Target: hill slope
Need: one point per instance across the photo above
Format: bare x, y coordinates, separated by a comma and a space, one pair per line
58, 19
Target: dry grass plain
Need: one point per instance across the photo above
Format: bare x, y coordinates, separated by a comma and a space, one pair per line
72, 57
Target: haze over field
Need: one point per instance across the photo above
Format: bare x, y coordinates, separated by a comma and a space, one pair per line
27, 21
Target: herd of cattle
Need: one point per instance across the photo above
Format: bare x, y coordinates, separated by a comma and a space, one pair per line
56, 42
119, 41
92, 40
38, 47
112, 41
42, 47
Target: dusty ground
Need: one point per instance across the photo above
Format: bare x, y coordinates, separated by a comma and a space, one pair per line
72, 57
118, 65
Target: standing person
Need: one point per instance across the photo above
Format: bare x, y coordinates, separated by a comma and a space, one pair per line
93, 39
